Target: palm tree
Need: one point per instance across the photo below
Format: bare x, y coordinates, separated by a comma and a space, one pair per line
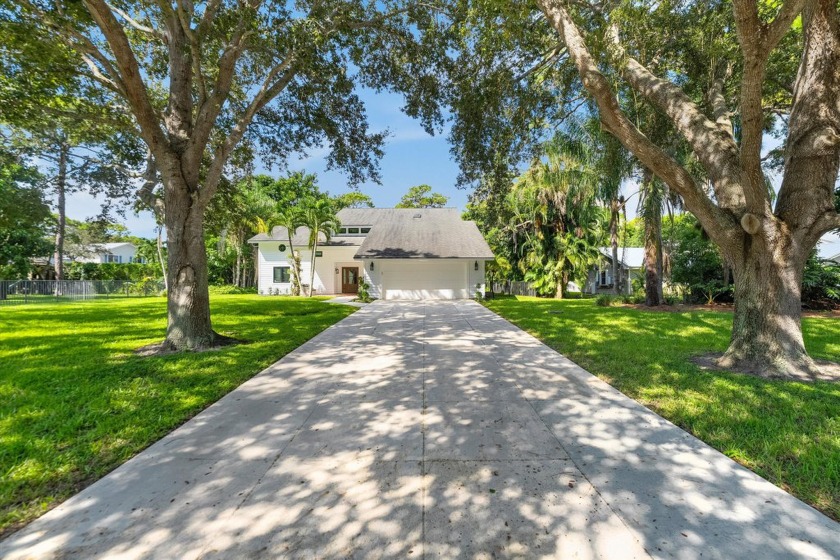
319, 216
291, 218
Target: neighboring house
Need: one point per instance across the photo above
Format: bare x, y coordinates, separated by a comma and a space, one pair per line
631, 265
402, 253
121, 253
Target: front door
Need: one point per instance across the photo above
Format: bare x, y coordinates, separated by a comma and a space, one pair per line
350, 280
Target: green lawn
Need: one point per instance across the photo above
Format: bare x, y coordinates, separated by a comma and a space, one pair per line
75, 402
787, 432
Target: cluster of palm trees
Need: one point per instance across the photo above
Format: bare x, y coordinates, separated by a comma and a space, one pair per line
565, 207
557, 215
316, 214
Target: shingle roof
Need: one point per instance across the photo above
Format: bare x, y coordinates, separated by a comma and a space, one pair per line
438, 233
426, 233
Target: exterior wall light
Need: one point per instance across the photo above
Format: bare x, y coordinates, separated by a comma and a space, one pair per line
371, 266
475, 266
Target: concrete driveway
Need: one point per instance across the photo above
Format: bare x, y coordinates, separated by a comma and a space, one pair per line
428, 429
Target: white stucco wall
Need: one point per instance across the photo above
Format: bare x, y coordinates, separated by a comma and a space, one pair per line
328, 269
326, 278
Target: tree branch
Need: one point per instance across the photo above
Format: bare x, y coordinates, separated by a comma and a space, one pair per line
712, 142
98, 76
129, 72
781, 24
757, 40
617, 123
134, 23
209, 110
146, 193
261, 99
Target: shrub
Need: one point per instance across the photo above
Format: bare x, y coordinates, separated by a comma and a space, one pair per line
671, 300
134, 272
604, 300
226, 289
364, 294
821, 284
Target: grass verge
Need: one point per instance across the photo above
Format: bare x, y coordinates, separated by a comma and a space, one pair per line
787, 432
75, 402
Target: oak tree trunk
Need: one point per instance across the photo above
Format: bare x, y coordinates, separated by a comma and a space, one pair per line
188, 298
766, 329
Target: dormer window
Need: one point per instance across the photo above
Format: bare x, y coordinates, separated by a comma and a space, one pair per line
354, 230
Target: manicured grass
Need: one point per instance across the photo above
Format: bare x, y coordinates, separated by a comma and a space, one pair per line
787, 432
75, 402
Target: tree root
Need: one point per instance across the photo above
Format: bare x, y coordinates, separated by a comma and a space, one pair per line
805, 370
167, 347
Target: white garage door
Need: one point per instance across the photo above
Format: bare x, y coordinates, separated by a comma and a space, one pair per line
433, 279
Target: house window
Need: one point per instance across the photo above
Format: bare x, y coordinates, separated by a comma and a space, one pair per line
319, 253
604, 278
113, 259
281, 275
353, 230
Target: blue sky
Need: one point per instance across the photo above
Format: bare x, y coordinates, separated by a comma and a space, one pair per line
412, 157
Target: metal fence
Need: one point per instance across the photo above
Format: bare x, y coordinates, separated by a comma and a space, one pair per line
514, 288
18, 292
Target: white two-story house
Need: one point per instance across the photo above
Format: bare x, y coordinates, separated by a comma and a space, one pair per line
401, 253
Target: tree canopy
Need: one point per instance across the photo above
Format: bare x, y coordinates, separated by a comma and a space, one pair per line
24, 217
421, 196
721, 76
208, 83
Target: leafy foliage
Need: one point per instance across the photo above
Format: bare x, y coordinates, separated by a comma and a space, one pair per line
24, 217
353, 199
821, 283
696, 262
421, 196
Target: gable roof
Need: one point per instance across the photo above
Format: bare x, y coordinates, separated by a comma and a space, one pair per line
631, 257
425, 233
108, 247
438, 233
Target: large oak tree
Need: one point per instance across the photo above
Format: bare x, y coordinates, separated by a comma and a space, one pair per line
704, 67
199, 77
